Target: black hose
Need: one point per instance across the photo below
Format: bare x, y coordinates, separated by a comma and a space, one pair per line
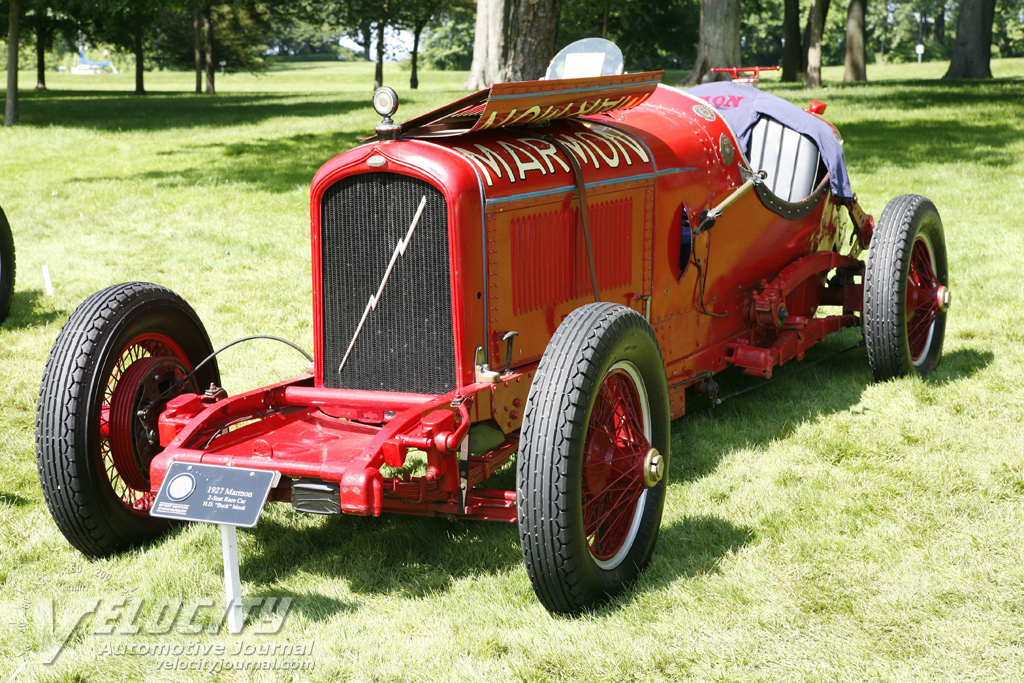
245, 339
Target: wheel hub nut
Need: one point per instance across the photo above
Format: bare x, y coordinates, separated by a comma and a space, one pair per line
945, 297
654, 468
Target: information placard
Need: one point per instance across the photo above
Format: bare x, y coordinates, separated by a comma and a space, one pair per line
214, 493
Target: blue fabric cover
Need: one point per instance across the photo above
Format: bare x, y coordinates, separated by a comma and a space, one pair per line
742, 105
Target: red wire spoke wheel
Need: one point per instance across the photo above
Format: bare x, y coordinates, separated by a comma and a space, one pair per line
924, 299
906, 291
148, 373
590, 484
613, 458
121, 356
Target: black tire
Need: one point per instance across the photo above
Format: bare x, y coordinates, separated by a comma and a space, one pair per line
113, 357
603, 357
905, 290
7, 266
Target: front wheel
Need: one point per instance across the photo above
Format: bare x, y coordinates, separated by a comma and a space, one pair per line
590, 484
906, 293
121, 356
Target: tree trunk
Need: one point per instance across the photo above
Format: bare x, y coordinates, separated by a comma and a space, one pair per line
378, 74
856, 50
719, 44
197, 42
972, 53
488, 45
41, 41
211, 67
940, 26
13, 25
414, 80
367, 32
497, 24
816, 22
807, 33
791, 50
533, 38
140, 87
478, 69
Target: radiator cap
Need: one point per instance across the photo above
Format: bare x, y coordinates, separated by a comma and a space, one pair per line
385, 103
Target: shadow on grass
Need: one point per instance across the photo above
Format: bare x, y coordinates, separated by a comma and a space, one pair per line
908, 95
773, 410
276, 164
930, 143
415, 556
894, 132
688, 549
696, 546
959, 364
313, 606
29, 309
922, 94
115, 111
394, 554
13, 499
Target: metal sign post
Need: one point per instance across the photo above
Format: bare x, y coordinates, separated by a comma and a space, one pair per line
232, 578
229, 497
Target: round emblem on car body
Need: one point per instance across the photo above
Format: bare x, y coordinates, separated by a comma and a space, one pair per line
704, 111
727, 150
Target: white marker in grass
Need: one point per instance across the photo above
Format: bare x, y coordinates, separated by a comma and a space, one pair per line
47, 284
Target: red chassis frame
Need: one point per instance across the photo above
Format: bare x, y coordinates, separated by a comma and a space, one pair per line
745, 295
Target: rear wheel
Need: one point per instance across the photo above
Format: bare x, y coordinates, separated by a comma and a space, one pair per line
593, 453
6, 266
121, 356
906, 292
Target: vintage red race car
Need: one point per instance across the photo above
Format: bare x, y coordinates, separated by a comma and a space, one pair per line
539, 271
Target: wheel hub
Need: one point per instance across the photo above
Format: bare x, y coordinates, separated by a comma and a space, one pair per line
139, 396
944, 298
654, 468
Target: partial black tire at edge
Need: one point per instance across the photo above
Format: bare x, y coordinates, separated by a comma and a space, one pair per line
7, 266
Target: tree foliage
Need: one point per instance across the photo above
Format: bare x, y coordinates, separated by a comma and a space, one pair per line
1008, 28
303, 35
413, 16
448, 42
242, 32
651, 35
892, 30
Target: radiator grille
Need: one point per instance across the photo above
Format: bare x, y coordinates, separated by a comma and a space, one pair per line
406, 343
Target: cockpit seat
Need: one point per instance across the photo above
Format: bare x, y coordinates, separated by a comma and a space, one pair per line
794, 147
791, 160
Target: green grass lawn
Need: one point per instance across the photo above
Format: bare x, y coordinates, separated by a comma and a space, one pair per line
823, 528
